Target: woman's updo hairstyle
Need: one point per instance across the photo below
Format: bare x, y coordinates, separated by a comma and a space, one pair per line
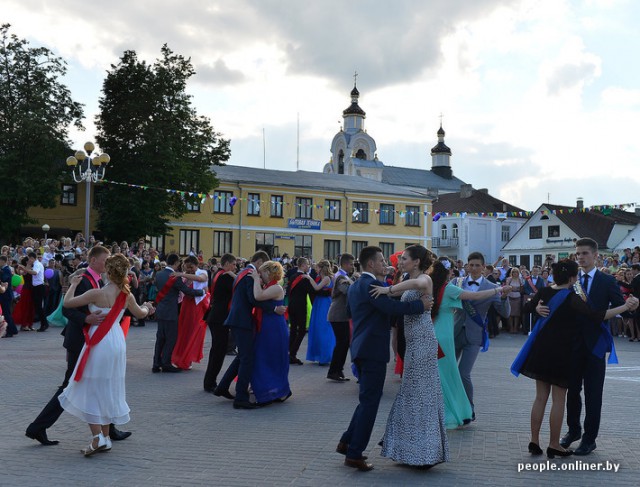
564, 270
274, 269
117, 267
419, 252
325, 268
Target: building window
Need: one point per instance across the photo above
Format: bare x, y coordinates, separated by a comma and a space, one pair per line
537, 259
331, 250
69, 195
302, 246
253, 204
222, 242
265, 241
387, 214
360, 212
157, 243
388, 249
553, 231
332, 210
357, 246
304, 208
455, 231
444, 233
412, 217
535, 232
222, 202
193, 207
506, 233
189, 241
276, 206
512, 260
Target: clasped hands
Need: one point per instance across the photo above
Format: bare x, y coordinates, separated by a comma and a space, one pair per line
631, 303
377, 291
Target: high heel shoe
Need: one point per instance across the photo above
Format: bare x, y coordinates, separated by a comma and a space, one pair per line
552, 453
91, 449
534, 448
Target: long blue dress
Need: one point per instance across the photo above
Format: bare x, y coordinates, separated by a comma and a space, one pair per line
322, 340
270, 378
456, 403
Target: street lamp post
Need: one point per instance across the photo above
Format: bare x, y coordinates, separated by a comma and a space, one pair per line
90, 168
45, 229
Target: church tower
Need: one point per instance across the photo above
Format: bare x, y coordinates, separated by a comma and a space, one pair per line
353, 151
441, 157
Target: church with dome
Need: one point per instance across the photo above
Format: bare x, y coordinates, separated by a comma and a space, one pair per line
354, 153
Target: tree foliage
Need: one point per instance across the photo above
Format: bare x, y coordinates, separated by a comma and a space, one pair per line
36, 111
155, 138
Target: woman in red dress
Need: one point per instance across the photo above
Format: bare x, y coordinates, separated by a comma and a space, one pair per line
24, 312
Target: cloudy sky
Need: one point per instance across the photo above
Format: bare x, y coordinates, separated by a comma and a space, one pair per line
540, 98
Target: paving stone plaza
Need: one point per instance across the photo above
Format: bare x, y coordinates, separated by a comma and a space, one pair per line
184, 436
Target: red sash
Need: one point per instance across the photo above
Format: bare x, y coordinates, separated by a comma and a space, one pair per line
256, 313
296, 281
100, 333
239, 278
91, 280
166, 288
530, 281
215, 279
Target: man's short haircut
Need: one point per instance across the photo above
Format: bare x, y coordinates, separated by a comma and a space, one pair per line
3, 258
346, 258
301, 260
260, 255
96, 251
476, 256
172, 259
368, 253
32, 255
190, 260
587, 242
227, 258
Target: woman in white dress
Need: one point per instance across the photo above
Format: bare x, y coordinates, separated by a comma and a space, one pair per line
96, 394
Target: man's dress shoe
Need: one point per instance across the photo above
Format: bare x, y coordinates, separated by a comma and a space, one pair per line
155, 369
358, 463
170, 368
41, 436
117, 435
567, 439
585, 448
337, 377
223, 393
244, 405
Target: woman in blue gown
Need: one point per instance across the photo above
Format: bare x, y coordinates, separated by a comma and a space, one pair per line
270, 377
322, 340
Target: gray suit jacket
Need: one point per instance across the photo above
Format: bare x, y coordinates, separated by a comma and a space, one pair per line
465, 330
167, 309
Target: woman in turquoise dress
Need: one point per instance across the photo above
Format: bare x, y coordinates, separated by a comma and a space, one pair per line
270, 376
447, 297
321, 339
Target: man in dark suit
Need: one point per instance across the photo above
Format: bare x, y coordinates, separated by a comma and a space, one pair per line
470, 321
167, 312
241, 324
589, 354
73, 342
370, 351
299, 291
7, 297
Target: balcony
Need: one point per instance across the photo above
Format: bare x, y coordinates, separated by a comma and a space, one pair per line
444, 243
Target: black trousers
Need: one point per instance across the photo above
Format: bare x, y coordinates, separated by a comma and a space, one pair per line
343, 337
297, 329
219, 343
52, 411
588, 371
38, 301
166, 337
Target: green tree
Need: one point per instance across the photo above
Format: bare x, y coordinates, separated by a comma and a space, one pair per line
36, 111
155, 138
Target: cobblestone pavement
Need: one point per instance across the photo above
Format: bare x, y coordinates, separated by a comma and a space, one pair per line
183, 436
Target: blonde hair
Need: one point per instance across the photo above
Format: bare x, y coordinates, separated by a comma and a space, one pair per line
117, 267
274, 269
325, 268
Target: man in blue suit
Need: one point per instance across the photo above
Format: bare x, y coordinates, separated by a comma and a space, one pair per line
370, 350
241, 323
589, 364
